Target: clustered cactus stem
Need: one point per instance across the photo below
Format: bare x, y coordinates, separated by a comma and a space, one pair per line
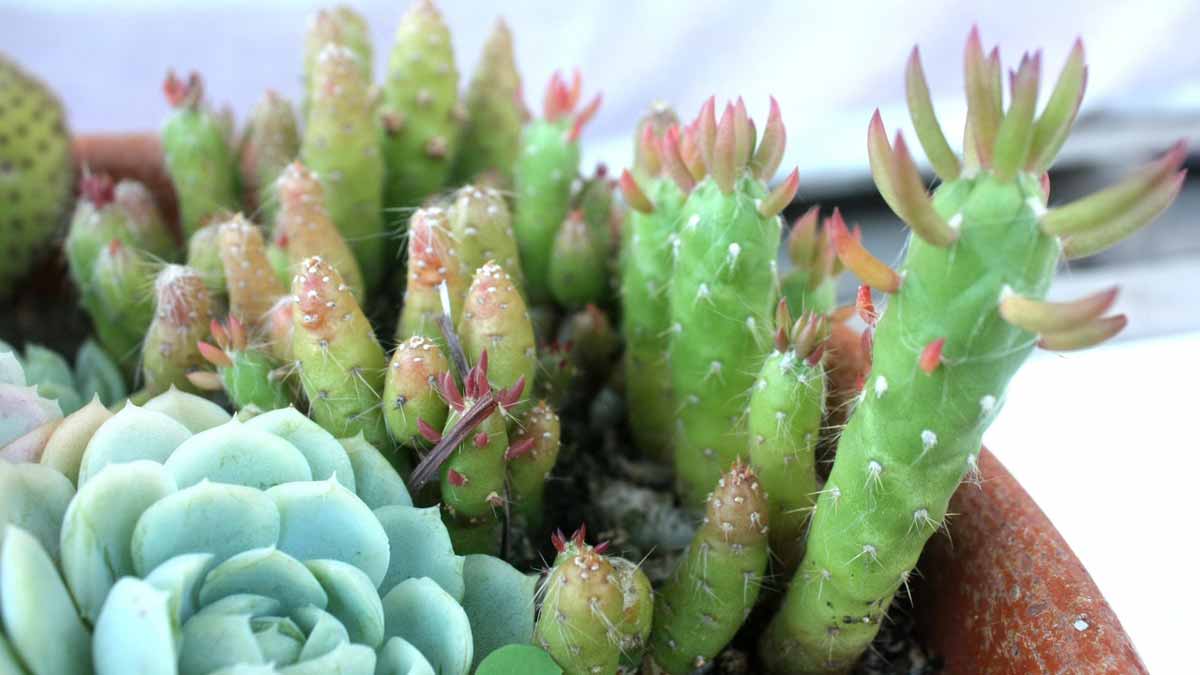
250, 377
198, 154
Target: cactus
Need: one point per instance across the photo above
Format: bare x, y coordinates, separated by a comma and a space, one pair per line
410, 391
785, 416
204, 255
188, 542
811, 283
269, 143
963, 314
303, 228
248, 375
491, 136
198, 157
646, 263
341, 364
250, 281
716, 584
723, 288
495, 320
38, 171
341, 146
546, 166
531, 458
578, 272
422, 117
182, 312
341, 26
592, 340
432, 261
482, 228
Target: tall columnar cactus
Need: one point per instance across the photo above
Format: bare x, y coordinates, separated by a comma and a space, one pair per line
198, 155
341, 146
204, 255
270, 142
410, 391
715, 586
811, 283
723, 288
303, 228
786, 410
245, 370
341, 364
531, 458
182, 312
646, 263
482, 227
37, 170
963, 314
578, 273
432, 261
491, 136
250, 282
422, 117
342, 26
495, 320
546, 167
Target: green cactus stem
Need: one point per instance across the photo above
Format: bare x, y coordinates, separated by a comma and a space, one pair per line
204, 255
410, 390
432, 262
811, 283
491, 136
270, 142
198, 156
604, 216
723, 288
495, 320
578, 273
716, 584
592, 340
546, 167
181, 320
341, 365
249, 376
786, 410
303, 227
341, 146
963, 314
421, 114
342, 26
531, 458
250, 281
482, 228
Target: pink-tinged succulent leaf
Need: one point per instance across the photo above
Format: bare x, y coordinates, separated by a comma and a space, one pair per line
182, 94
1039, 316
585, 116
455, 478
802, 239
634, 196
205, 380
559, 540
1015, 135
650, 152
864, 304
879, 154
509, 397
519, 448
871, 270
428, 432
724, 164
1124, 224
689, 152
706, 128
214, 355
743, 135
931, 356
1054, 124
929, 132
917, 209
781, 196
480, 440
770, 149
673, 162
1086, 335
981, 105
97, 188
449, 390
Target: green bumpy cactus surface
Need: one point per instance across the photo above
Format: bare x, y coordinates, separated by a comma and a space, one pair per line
190, 543
432, 261
36, 170
964, 313
482, 228
495, 320
270, 142
531, 457
410, 391
182, 312
198, 155
342, 26
304, 229
247, 373
491, 137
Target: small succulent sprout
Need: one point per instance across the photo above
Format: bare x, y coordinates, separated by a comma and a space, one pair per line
204, 255
582, 616
578, 273
249, 376
182, 313
303, 227
592, 340
482, 228
342, 26
650, 128
341, 147
270, 142
495, 320
250, 282
491, 136
727, 559
558, 375
723, 288
197, 154
531, 456
811, 283
422, 116
433, 269
546, 167
963, 313
341, 365
410, 390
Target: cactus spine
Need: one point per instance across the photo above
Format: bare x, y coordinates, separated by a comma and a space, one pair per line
723, 288
421, 113
491, 137
181, 319
341, 146
583, 605
270, 142
303, 227
715, 586
963, 314
482, 228
198, 156
432, 261
546, 166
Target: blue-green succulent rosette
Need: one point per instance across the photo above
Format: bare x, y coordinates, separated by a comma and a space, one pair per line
194, 543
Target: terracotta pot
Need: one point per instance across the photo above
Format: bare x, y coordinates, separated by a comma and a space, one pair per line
1002, 594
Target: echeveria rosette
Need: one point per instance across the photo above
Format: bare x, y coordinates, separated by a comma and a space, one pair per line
195, 543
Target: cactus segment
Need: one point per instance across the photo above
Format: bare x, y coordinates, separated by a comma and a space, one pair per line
410, 391
432, 261
303, 227
182, 312
495, 320
491, 137
198, 155
341, 146
531, 457
715, 586
250, 281
811, 284
342, 26
964, 313
248, 375
340, 363
421, 114
578, 273
270, 142
204, 256
482, 227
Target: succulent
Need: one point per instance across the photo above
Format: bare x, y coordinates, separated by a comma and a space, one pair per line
495, 321
811, 283
433, 269
491, 136
410, 390
247, 372
531, 457
199, 159
342, 26
963, 314
250, 280
269, 144
227, 546
182, 313
36, 170
94, 375
303, 228
482, 227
